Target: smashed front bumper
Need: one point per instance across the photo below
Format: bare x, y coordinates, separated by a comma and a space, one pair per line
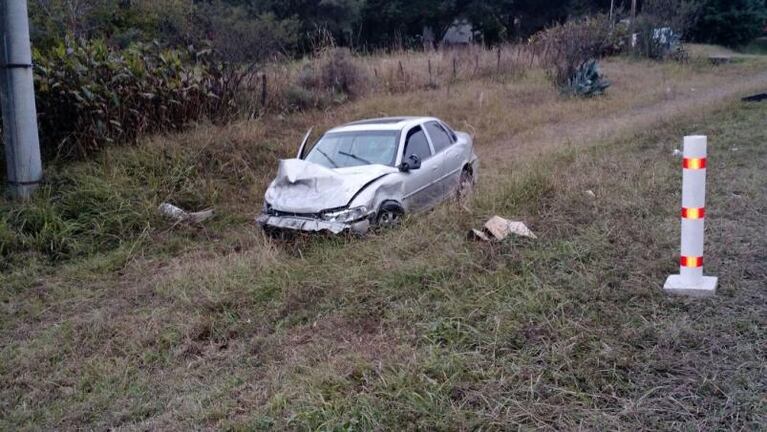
307, 224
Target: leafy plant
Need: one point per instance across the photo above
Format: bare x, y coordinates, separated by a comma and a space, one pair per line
90, 94
588, 81
567, 49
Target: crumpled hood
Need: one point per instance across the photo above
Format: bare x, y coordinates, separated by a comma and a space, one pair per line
306, 187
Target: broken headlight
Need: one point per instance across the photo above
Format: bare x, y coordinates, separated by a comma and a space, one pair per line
347, 215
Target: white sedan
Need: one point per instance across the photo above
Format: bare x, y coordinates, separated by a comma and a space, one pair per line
370, 172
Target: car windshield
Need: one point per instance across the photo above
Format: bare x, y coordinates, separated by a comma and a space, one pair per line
350, 149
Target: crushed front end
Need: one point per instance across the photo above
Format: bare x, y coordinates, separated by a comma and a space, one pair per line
354, 220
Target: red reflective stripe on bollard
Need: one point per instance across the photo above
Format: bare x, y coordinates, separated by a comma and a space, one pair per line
693, 213
694, 163
691, 262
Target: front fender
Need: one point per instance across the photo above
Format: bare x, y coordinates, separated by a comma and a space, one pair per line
388, 188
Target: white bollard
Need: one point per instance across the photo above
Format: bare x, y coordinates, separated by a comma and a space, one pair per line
690, 280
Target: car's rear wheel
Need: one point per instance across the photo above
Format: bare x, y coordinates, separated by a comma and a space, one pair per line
390, 215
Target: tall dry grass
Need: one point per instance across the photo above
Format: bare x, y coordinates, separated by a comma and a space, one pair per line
280, 86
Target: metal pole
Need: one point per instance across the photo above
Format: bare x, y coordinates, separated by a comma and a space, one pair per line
17, 96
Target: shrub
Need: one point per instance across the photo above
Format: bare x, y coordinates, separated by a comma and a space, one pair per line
89, 94
339, 73
661, 26
587, 81
299, 98
332, 76
248, 37
567, 48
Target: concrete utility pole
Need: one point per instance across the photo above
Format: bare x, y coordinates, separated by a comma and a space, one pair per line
17, 95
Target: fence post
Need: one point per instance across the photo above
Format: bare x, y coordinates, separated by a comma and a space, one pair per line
431, 80
263, 91
690, 280
498, 63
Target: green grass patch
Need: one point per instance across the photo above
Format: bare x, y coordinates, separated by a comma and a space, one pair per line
417, 328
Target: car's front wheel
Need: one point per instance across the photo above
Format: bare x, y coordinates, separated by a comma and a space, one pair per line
465, 186
389, 215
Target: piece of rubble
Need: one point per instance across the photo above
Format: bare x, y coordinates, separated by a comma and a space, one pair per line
501, 228
181, 215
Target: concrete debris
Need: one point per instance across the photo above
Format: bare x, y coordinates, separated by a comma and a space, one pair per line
180, 215
476, 234
498, 228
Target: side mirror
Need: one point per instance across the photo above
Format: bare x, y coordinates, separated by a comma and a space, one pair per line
413, 162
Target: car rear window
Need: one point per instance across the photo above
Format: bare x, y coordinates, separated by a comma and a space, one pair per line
439, 137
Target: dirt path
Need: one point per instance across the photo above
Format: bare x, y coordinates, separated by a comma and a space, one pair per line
693, 102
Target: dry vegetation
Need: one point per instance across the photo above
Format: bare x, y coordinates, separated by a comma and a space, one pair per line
321, 80
147, 326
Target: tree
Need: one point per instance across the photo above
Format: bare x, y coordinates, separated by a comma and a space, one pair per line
120, 21
730, 22
240, 34
341, 18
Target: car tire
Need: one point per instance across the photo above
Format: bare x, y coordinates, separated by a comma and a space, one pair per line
465, 186
389, 215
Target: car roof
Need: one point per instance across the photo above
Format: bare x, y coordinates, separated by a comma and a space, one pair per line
382, 124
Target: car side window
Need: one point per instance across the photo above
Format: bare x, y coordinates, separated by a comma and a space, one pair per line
439, 137
453, 136
417, 144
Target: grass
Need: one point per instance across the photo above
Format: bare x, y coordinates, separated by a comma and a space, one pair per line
148, 326
306, 83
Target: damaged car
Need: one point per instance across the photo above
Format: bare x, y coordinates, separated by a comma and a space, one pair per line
370, 173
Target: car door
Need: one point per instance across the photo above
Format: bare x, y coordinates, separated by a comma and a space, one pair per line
421, 186
450, 157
